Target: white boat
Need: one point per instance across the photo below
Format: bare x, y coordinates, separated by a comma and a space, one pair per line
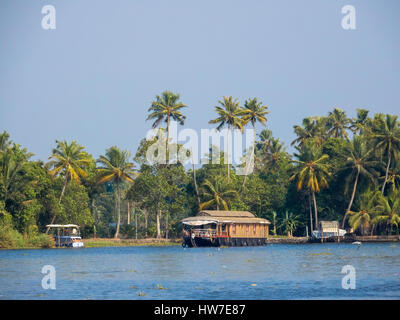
66, 235
317, 234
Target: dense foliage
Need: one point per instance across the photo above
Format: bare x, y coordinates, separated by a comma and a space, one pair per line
343, 169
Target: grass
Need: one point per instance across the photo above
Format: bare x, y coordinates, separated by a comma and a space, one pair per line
101, 242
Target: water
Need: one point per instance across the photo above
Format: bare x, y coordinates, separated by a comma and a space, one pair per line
308, 271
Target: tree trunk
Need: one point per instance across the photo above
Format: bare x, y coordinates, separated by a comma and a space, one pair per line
387, 170
136, 217
252, 157
315, 210
227, 152
352, 199
116, 236
167, 146
311, 219
195, 181
146, 222
59, 200
129, 213
166, 225
158, 218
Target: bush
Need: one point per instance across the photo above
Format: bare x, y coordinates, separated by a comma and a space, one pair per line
40, 241
10, 238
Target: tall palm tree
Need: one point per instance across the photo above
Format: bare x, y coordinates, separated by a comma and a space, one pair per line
253, 112
70, 160
217, 194
115, 167
229, 113
388, 210
312, 171
360, 124
274, 153
394, 176
313, 129
386, 139
367, 209
360, 162
165, 107
338, 123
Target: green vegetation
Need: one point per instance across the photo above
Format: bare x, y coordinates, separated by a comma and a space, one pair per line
344, 169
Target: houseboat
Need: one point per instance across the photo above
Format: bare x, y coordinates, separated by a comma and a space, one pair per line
66, 235
224, 228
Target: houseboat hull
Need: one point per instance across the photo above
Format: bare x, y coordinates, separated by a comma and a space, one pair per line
218, 242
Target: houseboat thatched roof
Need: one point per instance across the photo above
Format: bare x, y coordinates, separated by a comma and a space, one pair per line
217, 216
221, 213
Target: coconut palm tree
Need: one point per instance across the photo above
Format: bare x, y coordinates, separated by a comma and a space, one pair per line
217, 194
386, 139
115, 166
360, 163
312, 171
70, 160
274, 153
253, 112
394, 176
337, 124
229, 113
388, 209
165, 107
360, 124
313, 129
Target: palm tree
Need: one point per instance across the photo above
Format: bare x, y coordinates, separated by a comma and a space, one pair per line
165, 107
217, 193
362, 219
338, 123
360, 163
360, 124
386, 138
313, 129
253, 112
229, 113
71, 160
289, 223
313, 172
274, 153
389, 210
115, 167
394, 176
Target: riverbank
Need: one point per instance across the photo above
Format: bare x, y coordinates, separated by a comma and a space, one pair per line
105, 242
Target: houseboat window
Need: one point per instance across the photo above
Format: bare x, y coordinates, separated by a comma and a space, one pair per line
254, 228
223, 227
247, 228
234, 228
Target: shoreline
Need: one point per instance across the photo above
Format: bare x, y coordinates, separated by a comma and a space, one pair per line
154, 242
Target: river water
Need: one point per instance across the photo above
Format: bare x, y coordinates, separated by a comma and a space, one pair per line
301, 271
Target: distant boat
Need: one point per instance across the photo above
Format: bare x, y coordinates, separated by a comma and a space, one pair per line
66, 235
328, 229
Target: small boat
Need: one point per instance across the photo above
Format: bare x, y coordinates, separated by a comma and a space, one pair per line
66, 235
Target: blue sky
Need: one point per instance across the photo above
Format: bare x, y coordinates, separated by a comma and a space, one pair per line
94, 77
